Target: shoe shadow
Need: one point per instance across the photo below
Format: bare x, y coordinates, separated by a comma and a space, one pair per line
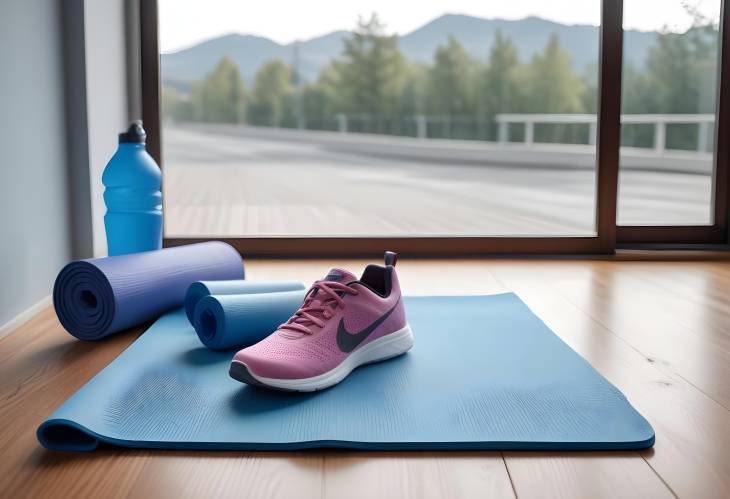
203, 356
250, 400
377, 378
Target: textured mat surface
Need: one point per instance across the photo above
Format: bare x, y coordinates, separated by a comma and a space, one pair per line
485, 373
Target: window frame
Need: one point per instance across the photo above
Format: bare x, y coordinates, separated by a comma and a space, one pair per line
608, 235
717, 232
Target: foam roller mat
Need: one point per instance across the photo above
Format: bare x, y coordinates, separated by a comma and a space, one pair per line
101, 296
198, 290
230, 321
485, 373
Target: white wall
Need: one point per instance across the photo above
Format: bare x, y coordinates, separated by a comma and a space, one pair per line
35, 237
63, 100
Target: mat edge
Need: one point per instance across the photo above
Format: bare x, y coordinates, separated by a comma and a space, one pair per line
433, 446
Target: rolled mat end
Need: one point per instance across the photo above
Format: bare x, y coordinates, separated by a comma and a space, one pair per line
98, 297
84, 300
198, 290
65, 435
229, 321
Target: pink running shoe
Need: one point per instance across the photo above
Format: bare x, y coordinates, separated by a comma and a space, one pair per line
342, 324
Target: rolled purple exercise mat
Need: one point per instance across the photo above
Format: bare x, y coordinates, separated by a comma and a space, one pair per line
100, 296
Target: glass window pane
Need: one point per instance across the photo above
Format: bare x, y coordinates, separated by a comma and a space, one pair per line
668, 112
380, 118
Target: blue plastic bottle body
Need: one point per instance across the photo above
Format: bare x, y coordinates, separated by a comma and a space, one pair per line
133, 201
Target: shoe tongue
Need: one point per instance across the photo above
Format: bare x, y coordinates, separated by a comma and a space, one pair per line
340, 275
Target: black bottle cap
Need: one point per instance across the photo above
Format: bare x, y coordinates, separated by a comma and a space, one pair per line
135, 134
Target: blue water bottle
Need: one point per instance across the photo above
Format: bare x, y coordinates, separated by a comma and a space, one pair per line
132, 196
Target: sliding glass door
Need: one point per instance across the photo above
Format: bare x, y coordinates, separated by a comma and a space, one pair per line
436, 128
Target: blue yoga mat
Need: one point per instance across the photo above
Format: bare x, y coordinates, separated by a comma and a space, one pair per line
101, 296
485, 373
198, 290
230, 321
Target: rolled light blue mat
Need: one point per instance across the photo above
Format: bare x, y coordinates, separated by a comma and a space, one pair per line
485, 373
101, 296
230, 321
198, 290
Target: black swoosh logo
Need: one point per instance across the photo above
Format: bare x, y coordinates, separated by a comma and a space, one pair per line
347, 341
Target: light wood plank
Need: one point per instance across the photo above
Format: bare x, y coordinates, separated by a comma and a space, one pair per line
416, 475
583, 474
105, 473
230, 474
663, 320
417, 277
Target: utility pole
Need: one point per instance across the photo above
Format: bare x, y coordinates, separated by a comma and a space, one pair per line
297, 81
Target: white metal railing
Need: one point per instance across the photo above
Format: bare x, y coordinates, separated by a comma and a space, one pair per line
703, 121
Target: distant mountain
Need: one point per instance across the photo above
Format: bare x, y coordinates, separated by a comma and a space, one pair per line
476, 34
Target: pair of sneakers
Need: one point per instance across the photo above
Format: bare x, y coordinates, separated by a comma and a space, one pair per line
343, 323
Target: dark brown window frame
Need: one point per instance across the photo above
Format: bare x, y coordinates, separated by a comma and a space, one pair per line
608, 236
718, 232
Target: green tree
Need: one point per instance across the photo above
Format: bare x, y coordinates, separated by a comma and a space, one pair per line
680, 78
590, 84
272, 99
637, 94
175, 106
413, 98
551, 84
499, 90
681, 69
320, 99
220, 97
450, 81
637, 97
372, 72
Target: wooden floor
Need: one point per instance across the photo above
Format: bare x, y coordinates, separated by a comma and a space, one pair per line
659, 331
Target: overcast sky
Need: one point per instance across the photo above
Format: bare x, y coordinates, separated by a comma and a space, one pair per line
187, 22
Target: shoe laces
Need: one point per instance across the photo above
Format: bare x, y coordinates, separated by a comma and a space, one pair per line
318, 307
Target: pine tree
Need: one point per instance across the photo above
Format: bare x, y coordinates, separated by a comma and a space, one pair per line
371, 73
680, 78
552, 85
220, 97
272, 96
321, 99
450, 82
499, 90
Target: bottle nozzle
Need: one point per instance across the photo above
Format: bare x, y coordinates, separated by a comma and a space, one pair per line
135, 134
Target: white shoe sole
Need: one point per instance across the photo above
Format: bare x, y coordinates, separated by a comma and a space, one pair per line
386, 347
